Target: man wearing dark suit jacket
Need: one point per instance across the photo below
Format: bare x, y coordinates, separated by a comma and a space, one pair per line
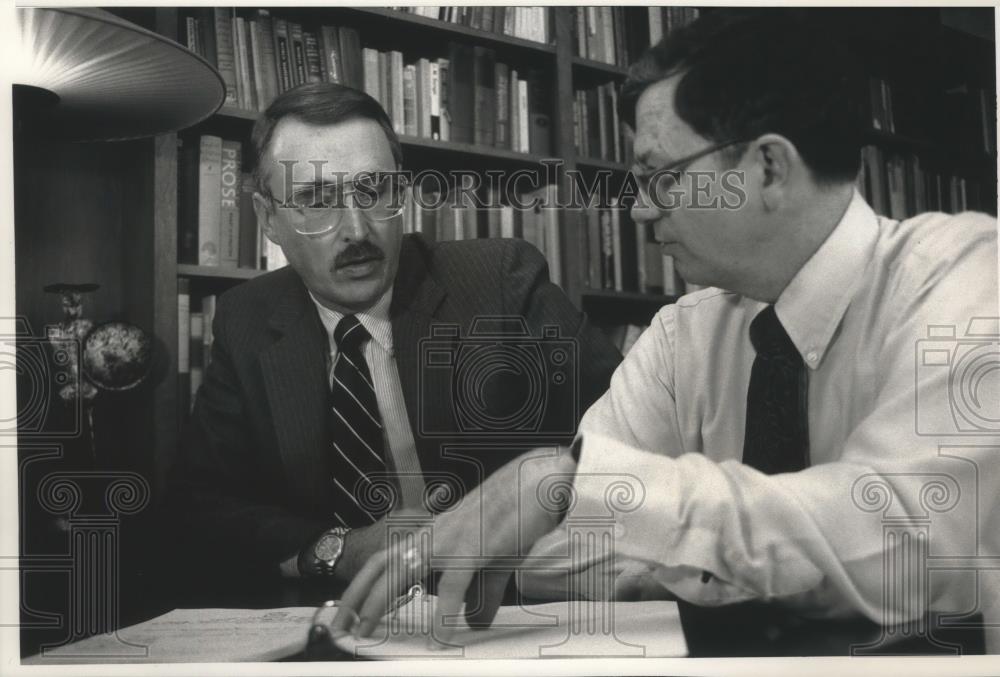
304, 437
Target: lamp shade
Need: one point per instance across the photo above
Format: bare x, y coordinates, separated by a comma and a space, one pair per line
112, 79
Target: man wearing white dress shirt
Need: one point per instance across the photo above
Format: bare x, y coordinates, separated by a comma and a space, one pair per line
819, 428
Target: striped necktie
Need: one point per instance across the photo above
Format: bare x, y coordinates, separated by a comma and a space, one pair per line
356, 430
777, 428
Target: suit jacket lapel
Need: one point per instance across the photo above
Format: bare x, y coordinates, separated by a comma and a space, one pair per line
416, 297
294, 371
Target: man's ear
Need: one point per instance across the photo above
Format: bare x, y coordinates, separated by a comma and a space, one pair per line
778, 160
265, 217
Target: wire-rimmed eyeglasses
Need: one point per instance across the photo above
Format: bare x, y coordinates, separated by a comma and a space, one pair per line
321, 207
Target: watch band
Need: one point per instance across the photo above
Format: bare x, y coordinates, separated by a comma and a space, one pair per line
325, 563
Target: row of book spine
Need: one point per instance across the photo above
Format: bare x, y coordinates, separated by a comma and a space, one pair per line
216, 222
447, 219
527, 23
469, 97
615, 36
260, 56
901, 185
194, 342
619, 254
597, 131
880, 105
665, 20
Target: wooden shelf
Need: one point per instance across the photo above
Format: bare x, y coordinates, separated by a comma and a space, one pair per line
583, 64
237, 113
892, 139
479, 36
419, 143
217, 272
471, 150
598, 163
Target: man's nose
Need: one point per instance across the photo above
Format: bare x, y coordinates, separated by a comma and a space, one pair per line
355, 227
644, 211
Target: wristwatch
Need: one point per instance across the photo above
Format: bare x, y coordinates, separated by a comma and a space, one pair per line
327, 550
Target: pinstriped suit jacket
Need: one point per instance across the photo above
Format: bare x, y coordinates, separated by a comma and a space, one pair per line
253, 471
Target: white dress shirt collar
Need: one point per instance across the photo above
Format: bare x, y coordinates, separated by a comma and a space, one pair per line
813, 304
375, 320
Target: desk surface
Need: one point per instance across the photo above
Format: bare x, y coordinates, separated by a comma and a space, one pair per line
751, 629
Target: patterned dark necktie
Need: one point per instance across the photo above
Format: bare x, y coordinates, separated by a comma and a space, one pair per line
777, 428
356, 429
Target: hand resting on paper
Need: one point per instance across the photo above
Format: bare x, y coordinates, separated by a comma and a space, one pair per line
475, 545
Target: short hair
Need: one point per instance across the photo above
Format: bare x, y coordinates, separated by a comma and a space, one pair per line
749, 72
317, 103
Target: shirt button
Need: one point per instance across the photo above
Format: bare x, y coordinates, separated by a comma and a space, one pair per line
811, 355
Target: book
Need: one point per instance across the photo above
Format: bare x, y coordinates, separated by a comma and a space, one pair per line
502, 89
461, 94
434, 98
296, 42
205, 19
424, 97
196, 347
183, 346
672, 285
314, 64
397, 98
243, 97
350, 52
261, 86
329, 38
653, 255
224, 56
607, 251
268, 57
191, 40
208, 315
188, 169
523, 121
250, 75
539, 130
283, 55
444, 76
594, 245
484, 81
616, 249
209, 199
513, 122
229, 219
385, 92
410, 100
369, 67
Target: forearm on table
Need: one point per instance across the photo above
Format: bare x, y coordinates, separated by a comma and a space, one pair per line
771, 537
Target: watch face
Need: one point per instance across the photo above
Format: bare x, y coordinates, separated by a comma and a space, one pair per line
328, 547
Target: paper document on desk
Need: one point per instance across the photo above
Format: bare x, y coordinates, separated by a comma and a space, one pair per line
193, 636
578, 629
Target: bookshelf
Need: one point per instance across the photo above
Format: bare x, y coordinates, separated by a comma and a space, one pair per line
910, 47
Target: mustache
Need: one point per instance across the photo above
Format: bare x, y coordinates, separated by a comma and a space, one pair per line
361, 251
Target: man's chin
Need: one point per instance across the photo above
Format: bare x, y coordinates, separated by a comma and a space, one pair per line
353, 295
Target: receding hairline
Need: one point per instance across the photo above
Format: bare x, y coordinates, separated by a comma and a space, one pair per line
266, 158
